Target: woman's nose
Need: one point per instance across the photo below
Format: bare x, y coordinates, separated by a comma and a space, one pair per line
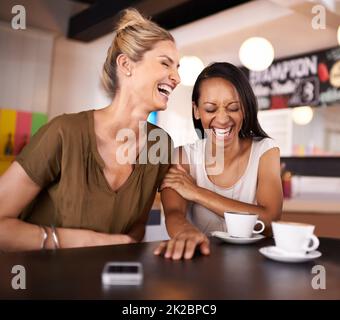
222, 116
174, 76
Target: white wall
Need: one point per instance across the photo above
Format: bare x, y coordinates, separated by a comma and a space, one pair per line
279, 126
76, 76
25, 64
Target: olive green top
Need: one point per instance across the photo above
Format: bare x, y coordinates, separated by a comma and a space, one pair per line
63, 159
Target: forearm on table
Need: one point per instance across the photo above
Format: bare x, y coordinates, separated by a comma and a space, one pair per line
219, 204
17, 235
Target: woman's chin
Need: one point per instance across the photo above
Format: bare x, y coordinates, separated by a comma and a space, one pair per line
161, 102
160, 106
163, 107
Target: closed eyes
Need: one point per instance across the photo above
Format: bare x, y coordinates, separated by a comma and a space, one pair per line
234, 108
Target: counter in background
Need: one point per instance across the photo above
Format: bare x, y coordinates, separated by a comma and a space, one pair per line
328, 203
319, 209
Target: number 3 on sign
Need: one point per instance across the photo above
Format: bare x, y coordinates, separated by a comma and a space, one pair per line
309, 91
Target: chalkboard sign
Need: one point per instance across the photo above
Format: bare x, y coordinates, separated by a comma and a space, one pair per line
312, 79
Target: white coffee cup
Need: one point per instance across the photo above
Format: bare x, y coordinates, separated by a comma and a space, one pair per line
294, 237
241, 224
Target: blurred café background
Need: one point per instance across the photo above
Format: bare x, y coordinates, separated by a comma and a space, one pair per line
52, 52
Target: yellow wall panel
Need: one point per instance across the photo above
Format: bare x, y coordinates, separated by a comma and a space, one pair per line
7, 126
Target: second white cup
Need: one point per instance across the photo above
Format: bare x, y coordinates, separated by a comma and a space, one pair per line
295, 237
241, 225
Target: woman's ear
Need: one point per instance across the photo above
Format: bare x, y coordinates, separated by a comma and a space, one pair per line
196, 112
124, 64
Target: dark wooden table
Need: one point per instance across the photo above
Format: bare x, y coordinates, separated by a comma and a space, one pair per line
230, 272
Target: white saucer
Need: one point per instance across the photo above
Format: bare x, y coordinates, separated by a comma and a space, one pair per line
228, 238
276, 254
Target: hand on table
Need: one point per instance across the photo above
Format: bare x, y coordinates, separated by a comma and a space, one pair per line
183, 245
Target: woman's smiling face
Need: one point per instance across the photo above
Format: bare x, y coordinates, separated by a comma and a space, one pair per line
156, 75
220, 110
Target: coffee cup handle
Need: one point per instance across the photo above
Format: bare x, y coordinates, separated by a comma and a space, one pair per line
315, 243
263, 226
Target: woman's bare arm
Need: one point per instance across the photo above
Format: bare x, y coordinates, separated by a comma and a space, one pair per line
184, 236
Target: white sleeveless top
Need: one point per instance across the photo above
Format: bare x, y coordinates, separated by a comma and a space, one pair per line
243, 190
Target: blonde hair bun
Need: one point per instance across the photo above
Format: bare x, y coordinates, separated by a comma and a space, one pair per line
130, 17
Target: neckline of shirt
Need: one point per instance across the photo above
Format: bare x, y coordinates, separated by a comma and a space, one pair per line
239, 180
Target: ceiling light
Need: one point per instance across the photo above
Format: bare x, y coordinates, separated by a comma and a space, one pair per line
190, 68
302, 115
256, 53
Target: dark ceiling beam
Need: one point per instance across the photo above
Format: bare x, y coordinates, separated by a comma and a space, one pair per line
99, 19
192, 10
84, 1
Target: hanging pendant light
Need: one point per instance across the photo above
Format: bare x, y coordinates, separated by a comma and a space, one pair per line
256, 53
302, 115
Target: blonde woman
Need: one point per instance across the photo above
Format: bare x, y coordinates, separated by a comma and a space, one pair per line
68, 187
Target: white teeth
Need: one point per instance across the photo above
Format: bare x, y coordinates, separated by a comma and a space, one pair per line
222, 132
164, 89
